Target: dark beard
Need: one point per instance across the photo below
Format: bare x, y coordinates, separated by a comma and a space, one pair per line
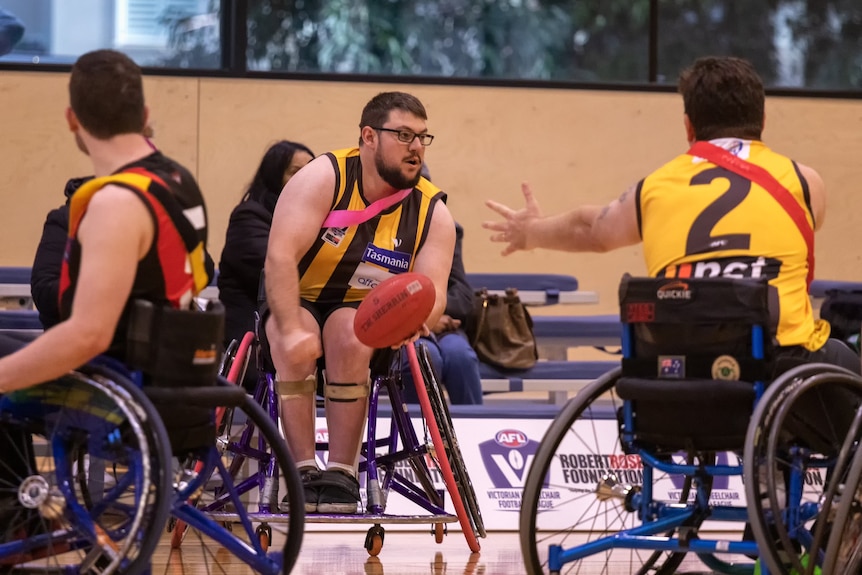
394, 177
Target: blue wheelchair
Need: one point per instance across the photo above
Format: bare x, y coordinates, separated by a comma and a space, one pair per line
98, 463
650, 462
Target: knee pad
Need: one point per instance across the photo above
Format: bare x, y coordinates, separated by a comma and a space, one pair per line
294, 389
346, 392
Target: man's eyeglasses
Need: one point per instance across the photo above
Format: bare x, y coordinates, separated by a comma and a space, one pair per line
407, 137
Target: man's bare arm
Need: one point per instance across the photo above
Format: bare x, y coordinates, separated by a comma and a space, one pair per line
817, 194
302, 207
592, 228
435, 258
115, 234
583, 229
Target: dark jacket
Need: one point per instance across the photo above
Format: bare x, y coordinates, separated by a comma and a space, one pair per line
45, 276
242, 261
459, 302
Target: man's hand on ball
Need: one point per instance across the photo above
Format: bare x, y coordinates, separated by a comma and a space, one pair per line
423, 332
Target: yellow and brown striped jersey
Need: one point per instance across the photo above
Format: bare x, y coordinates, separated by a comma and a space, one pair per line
343, 264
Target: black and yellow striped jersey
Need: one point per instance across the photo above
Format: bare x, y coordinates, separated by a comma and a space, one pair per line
343, 264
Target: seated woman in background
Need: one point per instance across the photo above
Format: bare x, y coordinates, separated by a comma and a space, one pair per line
246, 239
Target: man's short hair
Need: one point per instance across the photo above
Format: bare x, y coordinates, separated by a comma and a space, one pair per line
723, 97
106, 92
376, 111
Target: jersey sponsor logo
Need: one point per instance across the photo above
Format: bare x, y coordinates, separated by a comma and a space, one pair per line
395, 262
674, 290
334, 236
736, 147
737, 268
368, 276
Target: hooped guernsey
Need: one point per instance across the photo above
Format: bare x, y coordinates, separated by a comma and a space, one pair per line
344, 263
700, 220
173, 270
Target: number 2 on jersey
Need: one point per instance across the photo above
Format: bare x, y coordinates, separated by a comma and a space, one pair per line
700, 239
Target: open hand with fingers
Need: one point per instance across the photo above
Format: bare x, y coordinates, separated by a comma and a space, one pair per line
515, 227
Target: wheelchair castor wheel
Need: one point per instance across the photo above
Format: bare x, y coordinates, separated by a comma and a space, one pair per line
264, 535
439, 531
374, 540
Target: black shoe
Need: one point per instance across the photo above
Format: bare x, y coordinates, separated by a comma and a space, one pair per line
339, 493
310, 489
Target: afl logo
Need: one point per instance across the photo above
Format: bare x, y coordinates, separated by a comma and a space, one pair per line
511, 438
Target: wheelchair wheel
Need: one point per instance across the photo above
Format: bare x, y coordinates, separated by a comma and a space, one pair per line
448, 454
560, 505
421, 477
453, 451
86, 477
233, 367
803, 435
235, 496
844, 547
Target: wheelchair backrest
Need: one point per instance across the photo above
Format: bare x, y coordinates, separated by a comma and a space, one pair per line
712, 328
173, 347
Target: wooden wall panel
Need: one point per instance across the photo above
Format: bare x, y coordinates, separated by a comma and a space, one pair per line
39, 154
572, 146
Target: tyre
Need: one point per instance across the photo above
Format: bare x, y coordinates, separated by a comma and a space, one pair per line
237, 489
92, 496
804, 430
560, 505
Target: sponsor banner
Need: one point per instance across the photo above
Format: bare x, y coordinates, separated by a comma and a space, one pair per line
498, 454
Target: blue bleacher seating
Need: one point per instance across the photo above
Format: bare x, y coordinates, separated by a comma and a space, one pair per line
20, 320
554, 333
819, 288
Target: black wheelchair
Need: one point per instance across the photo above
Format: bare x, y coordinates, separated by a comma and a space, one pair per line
96, 464
642, 467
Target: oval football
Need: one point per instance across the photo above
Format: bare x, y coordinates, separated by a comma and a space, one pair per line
394, 310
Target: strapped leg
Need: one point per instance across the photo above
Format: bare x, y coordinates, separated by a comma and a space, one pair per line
295, 389
343, 395
346, 392
309, 473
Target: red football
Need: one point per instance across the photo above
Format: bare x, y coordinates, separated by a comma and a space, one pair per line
394, 310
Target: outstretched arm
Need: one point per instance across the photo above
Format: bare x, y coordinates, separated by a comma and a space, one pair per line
583, 229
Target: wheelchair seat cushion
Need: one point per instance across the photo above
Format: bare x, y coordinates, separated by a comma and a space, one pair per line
701, 414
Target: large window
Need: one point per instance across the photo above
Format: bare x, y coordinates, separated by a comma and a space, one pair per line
793, 43
169, 33
584, 40
813, 44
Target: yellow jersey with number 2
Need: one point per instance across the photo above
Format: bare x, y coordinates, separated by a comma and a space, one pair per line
700, 220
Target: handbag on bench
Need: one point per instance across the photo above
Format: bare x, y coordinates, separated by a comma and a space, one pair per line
502, 331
